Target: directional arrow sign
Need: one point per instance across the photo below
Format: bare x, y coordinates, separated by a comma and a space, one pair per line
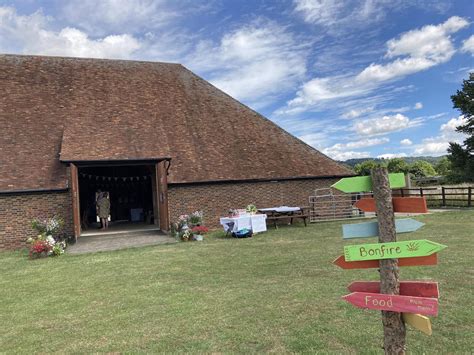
371, 229
400, 204
371, 264
377, 251
407, 288
364, 183
394, 303
418, 321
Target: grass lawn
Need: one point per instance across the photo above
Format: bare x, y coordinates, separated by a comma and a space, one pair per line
276, 292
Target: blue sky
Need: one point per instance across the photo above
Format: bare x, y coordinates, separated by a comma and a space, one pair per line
351, 78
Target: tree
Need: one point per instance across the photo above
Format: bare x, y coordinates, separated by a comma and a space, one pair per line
443, 167
421, 168
397, 165
365, 167
461, 156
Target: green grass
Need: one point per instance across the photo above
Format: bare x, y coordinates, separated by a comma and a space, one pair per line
277, 292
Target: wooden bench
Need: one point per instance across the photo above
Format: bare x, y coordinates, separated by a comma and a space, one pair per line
302, 214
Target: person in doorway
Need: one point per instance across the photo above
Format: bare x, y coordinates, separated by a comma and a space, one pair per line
103, 209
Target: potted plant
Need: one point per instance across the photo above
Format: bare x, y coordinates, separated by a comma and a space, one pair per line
198, 232
252, 209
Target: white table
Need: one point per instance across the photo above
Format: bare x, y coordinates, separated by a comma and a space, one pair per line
281, 209
255, 222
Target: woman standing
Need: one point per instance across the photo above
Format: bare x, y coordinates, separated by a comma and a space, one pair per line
103, 209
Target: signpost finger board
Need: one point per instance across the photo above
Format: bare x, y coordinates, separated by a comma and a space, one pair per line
394, 303
371, 229
407, 288
379, 251
400, 204
373, 264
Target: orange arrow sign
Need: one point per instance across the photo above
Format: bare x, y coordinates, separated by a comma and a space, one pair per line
400, 204
369, 264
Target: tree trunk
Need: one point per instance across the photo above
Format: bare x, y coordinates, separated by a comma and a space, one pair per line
393, 325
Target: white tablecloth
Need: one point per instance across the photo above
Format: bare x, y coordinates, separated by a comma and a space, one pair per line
257, 223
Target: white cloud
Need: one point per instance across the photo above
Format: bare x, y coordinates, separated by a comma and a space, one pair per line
254, 62
406, 142
391, 155
344, 155
105, 16
439, 144
367, 142
354, 113
384, 125
31, 35
342, 151
413, 51
418, 106
468, 45
341, 15
316, 139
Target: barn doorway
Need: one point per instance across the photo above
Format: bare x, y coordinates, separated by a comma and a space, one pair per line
131, 190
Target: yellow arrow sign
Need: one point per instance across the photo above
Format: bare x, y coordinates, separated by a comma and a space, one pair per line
418, 321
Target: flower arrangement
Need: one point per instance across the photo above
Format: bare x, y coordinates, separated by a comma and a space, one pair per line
195, 218
47, 226
233, 212
200, 230
189, 227
252, 209
44, 244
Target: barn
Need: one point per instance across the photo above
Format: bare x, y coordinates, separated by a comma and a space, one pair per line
159, 138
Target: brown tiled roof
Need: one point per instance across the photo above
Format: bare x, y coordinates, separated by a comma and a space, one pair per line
72, 109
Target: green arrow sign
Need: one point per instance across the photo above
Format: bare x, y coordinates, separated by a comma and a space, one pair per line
364, 183
377, 251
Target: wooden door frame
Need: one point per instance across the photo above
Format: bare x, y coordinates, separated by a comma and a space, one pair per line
159, 192
76, 216
161, 180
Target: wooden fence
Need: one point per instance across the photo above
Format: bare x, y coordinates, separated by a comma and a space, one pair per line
441, 196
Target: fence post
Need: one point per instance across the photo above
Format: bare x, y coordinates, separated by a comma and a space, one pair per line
444, 196
401, 192
469, 196
421, 191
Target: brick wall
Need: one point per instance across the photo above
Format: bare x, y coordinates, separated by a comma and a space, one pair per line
18, 210
216, 199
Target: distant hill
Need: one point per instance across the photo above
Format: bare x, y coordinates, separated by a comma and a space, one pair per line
409, 160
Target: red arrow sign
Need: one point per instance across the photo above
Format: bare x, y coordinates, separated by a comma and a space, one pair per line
394, 303
407, 288
400, 204
369, 264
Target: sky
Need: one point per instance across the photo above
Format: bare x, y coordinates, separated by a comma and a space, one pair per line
352, 78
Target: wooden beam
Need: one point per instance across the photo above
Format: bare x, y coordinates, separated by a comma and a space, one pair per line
76, 217
162, 184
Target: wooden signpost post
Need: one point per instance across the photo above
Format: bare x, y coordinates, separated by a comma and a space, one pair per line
371, 229
400, 302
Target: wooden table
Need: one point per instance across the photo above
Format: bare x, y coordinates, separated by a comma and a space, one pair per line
285, 212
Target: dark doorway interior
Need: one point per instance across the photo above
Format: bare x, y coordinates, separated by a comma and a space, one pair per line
130, 190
